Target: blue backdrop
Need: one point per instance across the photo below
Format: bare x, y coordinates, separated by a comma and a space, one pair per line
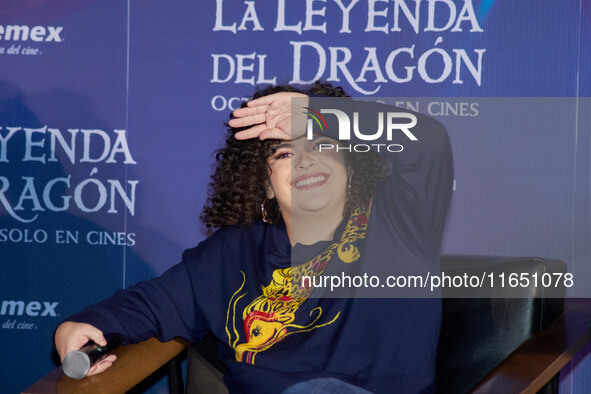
110, 112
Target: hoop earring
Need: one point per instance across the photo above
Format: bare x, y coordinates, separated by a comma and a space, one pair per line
264, 213
349, 184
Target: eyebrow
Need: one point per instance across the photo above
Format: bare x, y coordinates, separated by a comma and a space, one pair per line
283, 145
287, 144
317, 136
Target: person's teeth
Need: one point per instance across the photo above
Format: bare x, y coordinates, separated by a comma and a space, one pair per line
309, 181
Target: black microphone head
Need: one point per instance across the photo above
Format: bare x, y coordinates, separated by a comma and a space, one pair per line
76, 364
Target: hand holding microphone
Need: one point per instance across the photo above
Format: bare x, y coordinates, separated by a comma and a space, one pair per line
77, 362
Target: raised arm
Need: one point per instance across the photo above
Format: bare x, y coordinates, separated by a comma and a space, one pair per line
415, 196
416, 193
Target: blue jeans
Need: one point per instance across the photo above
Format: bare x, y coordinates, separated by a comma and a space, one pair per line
324, 386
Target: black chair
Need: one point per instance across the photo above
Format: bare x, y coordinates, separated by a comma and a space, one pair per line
505, 340
477, 334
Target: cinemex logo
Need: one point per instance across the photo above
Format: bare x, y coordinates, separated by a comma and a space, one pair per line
395, 121
33, 308
35, 33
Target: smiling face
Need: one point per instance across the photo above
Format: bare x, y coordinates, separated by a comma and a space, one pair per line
306, 178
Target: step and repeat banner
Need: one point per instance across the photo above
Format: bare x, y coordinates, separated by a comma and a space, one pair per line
110, 113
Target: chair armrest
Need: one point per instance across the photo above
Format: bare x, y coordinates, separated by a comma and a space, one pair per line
542, 356
134, 364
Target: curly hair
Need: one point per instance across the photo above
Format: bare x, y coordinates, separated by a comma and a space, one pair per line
238, 184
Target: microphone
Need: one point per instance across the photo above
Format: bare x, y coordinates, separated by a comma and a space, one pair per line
77, 363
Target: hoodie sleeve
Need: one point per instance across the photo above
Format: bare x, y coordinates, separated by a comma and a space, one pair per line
164, 307
415, 195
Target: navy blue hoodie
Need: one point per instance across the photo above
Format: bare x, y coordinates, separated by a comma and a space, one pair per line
231, 285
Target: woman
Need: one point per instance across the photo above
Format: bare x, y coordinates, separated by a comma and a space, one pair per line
287, 208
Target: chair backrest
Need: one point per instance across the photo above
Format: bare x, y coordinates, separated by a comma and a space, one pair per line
478, 333
205, 372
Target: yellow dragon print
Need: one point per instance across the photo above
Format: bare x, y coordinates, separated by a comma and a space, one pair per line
271, 317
